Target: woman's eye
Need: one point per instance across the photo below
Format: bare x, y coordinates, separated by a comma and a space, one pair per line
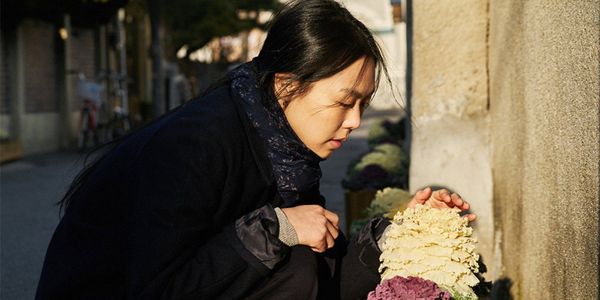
346, 105
364, 106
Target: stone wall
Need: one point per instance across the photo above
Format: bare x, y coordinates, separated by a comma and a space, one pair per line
544, 93
506, 111
33, 112
40, 58
450, 144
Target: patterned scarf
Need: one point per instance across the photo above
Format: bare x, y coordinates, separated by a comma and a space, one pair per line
295, 167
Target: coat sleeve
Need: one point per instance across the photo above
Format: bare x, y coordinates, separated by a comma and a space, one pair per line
176, 249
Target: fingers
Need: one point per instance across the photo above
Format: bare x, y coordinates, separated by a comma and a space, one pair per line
332, 218
457, 201
333, 231
422, 195
443, 195
330, 241
315, 226
327, 243
470, 217
451, 200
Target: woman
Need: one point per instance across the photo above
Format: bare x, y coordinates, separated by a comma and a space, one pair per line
219, 199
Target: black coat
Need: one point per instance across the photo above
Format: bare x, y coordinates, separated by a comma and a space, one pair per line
157, 218
183, 209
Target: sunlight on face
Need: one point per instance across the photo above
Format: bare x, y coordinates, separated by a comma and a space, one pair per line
324, 116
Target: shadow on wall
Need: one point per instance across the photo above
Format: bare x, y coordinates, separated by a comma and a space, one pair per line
486, 290
501, 289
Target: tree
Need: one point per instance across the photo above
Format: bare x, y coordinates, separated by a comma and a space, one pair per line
83, 13
196, 22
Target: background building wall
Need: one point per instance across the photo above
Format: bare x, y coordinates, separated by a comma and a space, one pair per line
39, 122
5, 88
450, 144
40, 67
544, 92
391, 36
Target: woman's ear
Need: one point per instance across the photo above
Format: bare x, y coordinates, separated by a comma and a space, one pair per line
283, 86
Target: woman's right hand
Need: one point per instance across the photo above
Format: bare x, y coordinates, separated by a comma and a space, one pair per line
315, 226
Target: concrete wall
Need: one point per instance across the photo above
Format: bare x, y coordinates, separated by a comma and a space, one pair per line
37, 114
506, 108
40, 66
450, 145
544, 92
40, 132
378, 17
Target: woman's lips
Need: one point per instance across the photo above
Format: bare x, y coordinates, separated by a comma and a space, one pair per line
336, 144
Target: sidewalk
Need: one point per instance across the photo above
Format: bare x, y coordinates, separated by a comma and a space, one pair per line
29, 189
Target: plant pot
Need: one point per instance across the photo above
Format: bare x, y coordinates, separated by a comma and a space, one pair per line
356, 202
10, 149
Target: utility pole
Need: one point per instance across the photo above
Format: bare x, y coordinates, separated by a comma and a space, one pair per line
122, 47
67, 106
157, 94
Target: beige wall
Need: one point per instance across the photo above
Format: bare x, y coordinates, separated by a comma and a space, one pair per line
40, 132
450, 144
544, 96
506, 104
377, 15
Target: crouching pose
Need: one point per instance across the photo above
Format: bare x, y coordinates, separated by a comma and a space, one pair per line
219, 198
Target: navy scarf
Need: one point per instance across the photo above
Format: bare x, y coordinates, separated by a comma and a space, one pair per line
295, 167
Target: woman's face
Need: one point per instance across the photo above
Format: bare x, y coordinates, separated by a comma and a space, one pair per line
324, 116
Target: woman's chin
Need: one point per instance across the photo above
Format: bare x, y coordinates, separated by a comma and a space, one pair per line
325, 153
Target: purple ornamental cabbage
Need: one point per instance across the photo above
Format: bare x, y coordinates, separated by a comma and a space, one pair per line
373, 173
411, 288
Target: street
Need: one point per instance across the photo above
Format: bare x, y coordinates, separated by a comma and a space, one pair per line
29, 190
31, 187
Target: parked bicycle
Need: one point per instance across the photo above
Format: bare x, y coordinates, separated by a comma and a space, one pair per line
90, 94
119, 123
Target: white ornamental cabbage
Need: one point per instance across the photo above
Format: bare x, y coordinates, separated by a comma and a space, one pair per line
433, 244
390, 157
387, 200
377, 131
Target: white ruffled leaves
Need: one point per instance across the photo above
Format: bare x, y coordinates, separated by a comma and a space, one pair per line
388, 200
389, 157
377, 131
433, 244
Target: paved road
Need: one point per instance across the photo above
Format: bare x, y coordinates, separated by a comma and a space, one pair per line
29, 189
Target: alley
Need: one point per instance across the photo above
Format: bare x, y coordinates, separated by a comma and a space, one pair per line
29, 191
31, 187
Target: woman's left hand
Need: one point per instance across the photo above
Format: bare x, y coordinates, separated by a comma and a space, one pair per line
441, 199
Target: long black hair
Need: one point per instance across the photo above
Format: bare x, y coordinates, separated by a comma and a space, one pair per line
313, 40
309, 39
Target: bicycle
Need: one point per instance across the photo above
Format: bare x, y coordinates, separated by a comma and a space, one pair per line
119, 123
90, 94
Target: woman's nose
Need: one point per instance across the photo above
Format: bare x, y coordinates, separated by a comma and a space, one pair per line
352, 120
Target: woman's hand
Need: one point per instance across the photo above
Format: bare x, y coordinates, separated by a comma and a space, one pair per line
441, 199
315, 226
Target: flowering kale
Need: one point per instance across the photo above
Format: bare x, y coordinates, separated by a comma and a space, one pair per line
377, 132
434, 244
373, 173
390, 157
388, 202
372, 176
386, 131
411, 288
